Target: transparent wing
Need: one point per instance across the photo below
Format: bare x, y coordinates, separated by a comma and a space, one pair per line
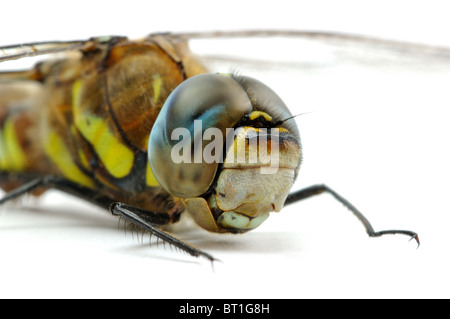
311, 68
317, 64
338, 41
217, 48
14, 52
303, 49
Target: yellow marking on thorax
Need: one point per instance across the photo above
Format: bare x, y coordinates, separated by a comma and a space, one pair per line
117, 158
12, 156
57, 151
150, 179
83, 159
157, 84
81, 154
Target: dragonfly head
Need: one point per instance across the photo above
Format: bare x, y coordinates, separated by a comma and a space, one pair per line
224, 144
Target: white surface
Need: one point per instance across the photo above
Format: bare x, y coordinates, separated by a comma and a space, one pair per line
378, 135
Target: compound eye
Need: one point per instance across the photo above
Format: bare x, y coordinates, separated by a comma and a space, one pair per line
264, 99
178, 139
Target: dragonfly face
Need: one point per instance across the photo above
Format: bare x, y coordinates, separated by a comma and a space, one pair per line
225, 145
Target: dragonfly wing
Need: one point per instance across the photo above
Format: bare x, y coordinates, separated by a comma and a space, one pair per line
307, 65
310, 49
14, 52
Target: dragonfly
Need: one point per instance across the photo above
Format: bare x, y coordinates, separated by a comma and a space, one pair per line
98, 118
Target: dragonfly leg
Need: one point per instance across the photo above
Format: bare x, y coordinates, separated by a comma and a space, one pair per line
145, 220
21, 190
142, 218
79, 191
57, 182
319, 189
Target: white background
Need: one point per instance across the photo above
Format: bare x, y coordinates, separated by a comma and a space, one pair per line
377, 133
